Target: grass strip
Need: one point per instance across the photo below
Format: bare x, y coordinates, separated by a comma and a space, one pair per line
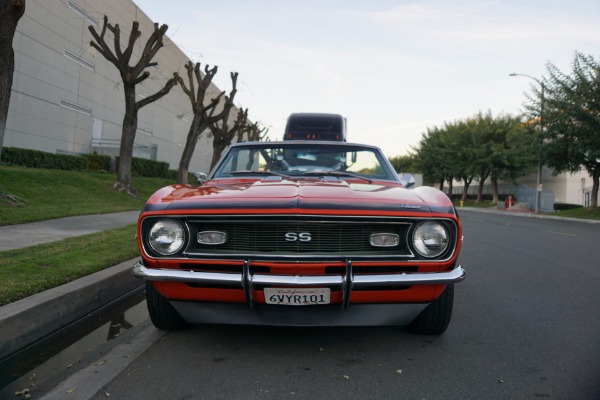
31, 270
48, 194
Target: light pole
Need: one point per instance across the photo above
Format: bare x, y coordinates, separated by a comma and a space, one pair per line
538, 185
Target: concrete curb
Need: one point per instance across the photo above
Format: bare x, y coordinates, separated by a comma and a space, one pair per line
525, 214
26, 321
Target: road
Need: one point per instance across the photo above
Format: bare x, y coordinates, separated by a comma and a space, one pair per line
526, 325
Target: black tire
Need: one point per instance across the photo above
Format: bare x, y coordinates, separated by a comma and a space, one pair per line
162, 314
434, 319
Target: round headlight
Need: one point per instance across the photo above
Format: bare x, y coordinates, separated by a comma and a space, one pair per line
430, 239
166, 237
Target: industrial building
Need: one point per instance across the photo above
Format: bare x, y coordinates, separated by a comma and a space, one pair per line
67, 98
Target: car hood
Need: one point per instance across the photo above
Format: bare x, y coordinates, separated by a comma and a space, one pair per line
297, 196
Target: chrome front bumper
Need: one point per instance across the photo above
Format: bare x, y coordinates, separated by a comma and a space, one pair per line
345, 282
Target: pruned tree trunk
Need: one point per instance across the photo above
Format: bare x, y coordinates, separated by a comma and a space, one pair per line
256, 133
202, 119
131, 75
221, 132
11, 12
188, 151
222, 135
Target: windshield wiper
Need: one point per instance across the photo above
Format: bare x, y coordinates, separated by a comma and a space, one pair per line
337, 174
257, 172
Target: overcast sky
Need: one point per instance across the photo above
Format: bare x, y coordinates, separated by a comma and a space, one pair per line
392, 68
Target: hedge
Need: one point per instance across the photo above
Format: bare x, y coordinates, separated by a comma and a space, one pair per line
90, 162
41, 159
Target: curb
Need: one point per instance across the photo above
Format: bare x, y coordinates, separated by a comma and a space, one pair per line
26, 321
526, 215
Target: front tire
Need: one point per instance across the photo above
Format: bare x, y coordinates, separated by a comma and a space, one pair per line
434, 319
162, 314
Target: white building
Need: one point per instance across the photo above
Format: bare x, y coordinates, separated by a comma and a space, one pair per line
67, 98
567, 188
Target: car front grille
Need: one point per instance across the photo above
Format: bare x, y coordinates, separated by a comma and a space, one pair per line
288, 237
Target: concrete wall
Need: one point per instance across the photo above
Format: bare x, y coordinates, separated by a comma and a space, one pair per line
67, 98
567, 188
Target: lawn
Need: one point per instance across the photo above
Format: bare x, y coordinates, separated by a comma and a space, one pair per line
37, 268
49, 194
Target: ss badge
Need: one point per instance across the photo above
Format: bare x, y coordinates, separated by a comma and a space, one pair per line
298, 237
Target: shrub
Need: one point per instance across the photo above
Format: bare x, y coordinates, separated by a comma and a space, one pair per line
98, 162
565, 206
148, 168
41, 159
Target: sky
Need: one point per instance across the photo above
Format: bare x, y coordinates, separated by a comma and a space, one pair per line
392, 68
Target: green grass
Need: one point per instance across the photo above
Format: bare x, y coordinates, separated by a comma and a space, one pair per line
585, 213
49, 194
41, 267
52, 194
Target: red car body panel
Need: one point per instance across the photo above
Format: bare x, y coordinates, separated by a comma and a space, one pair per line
307, 196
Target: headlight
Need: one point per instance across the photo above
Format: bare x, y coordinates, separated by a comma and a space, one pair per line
430, 239
166, 237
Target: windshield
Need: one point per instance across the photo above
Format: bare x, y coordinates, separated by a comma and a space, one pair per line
304, 159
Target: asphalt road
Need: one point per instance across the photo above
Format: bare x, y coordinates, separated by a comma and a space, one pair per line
526, 325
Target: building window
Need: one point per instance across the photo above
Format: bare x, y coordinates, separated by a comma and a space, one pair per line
75, 107
80, 60
72, 5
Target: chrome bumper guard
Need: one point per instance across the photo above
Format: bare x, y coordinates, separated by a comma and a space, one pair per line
345, 282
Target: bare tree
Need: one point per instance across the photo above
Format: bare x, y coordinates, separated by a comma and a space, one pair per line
223, 134
131, 75
11, 12
256, 132
221, 131
203, 114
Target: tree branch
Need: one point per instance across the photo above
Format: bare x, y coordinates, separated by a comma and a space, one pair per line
166, 89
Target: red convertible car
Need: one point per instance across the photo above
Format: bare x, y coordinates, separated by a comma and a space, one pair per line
300, 233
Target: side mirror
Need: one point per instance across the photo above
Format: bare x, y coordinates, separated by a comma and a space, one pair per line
200, 177
407, 180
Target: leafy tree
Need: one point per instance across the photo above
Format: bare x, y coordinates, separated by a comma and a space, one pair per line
571, 119
476, 148
430, 158
132, 75
11, 12
403, 163
502, 150
203, 116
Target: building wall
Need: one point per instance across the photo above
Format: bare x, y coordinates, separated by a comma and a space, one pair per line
67, 98
566, 188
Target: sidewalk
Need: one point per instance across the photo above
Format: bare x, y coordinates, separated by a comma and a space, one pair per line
26, 321
24, 235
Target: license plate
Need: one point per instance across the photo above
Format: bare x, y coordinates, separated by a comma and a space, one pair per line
297, 296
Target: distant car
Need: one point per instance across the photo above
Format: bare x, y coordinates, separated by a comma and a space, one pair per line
300, 233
